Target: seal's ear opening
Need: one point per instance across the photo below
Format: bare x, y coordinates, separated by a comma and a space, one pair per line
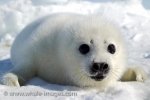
91, 41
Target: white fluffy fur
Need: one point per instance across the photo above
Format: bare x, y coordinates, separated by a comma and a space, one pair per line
49, 46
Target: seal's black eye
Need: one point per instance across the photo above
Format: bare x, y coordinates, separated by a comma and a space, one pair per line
111, 48
84, 49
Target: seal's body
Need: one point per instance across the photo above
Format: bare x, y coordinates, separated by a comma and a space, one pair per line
69, 49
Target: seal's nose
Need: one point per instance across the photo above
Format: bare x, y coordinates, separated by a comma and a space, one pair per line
102, 68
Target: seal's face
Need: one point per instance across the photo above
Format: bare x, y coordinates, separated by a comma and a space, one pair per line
94, 53
97, 69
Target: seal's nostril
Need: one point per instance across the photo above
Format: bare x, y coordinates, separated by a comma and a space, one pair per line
100, 67
96, 66
105, 66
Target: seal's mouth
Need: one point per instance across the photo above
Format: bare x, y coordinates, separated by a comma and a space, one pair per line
98, 77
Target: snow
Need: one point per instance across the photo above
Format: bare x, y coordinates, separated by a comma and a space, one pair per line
132, 16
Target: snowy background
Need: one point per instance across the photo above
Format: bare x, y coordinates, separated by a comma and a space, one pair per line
133, 17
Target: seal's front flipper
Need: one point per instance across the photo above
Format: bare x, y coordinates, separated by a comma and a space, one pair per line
18, 76
134, 74
10, 79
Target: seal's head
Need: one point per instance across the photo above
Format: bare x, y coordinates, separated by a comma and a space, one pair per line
93, 52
